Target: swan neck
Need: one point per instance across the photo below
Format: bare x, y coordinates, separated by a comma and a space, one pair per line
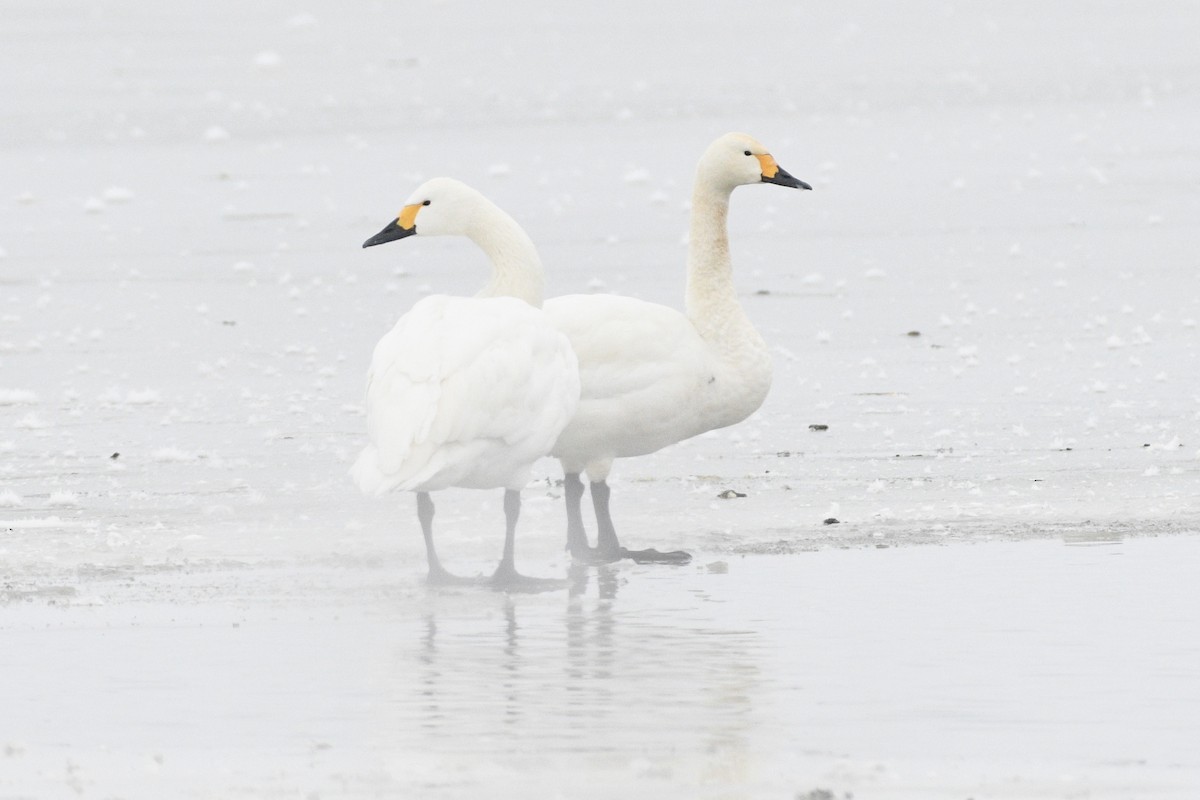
516, 267
711, 297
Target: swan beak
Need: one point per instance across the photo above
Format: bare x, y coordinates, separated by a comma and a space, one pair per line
773, 173
782, 178
396, 229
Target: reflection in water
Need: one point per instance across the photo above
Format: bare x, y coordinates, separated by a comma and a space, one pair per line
511, 665
844, 669
502, 675
589, 649
431, 712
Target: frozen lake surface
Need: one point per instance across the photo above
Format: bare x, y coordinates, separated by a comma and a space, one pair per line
991, 299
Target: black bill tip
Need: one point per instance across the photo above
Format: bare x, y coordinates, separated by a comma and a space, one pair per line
783, 178
391, 233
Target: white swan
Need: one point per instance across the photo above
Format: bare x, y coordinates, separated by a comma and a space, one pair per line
467, 391
652, 376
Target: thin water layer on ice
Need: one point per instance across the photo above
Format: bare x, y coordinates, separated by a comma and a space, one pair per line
1026, 669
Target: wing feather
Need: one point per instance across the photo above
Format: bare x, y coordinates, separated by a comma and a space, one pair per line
465, 392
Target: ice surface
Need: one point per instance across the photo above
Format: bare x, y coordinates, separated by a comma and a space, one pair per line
990, 299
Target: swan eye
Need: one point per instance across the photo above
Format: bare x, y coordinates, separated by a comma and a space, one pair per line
747, 152
425, 203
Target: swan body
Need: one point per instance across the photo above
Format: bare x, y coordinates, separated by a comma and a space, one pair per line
464, 392
652, 376
650, 379
467, 392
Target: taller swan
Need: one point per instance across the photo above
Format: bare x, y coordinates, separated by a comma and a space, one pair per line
467, 391
652, 376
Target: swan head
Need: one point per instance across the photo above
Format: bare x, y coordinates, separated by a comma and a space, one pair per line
737, 159
441, 206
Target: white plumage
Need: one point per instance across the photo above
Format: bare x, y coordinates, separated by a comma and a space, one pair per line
467, 392
650, 379
464, 392
652, 376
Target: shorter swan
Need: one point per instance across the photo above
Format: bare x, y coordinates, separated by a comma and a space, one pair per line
467, 391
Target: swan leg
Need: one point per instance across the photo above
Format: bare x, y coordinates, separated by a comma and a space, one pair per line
609, 549
577, 543
512, 510
506, 577
438, 576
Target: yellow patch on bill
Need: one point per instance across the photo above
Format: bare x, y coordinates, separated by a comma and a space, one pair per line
767, 162
408, 216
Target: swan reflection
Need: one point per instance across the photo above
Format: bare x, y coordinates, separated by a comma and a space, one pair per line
590, 673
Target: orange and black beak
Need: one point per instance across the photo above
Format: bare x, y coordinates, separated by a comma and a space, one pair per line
782, 178
401, 227
391, 233
773, 173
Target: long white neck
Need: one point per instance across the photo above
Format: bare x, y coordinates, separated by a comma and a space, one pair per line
516, 267
711, 298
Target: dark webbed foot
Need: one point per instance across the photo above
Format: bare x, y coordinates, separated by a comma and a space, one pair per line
652, 556
596, 556
608, 547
